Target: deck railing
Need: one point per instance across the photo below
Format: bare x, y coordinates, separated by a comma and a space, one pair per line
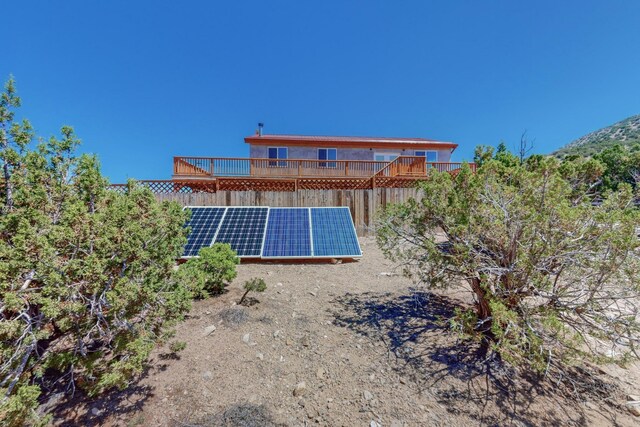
415, 166
229, 167
212, 167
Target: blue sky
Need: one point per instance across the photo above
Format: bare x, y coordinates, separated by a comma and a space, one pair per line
142, 81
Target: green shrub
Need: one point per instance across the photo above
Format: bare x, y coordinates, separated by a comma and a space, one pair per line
550, 274
86, 274
253, 285
211, 271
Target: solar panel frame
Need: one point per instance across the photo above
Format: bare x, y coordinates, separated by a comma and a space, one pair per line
215, 232
259, 252
352, 229
239, 250
309, 235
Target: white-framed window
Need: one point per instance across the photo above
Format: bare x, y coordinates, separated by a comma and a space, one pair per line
278, 153
327, 154
385, 157
430, 156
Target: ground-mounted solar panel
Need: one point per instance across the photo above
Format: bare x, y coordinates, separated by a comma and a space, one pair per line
333, 233
243, 228
274, 232
204, 224
288, 234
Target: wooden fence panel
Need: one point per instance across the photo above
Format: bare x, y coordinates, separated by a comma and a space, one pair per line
364, 204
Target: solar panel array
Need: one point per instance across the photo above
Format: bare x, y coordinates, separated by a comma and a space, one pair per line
274, 232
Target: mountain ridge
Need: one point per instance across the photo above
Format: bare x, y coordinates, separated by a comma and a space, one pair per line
625, 132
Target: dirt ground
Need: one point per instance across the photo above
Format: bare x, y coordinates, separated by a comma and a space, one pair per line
350, 344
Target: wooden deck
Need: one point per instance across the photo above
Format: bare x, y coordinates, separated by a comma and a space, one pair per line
213, 174
214, 185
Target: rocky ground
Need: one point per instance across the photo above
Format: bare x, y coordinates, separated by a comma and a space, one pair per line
351, 344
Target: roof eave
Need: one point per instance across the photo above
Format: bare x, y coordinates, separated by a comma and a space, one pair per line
265, 140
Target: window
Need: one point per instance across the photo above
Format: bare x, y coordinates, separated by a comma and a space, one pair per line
385, 157
278, 153
327, 154
431, 156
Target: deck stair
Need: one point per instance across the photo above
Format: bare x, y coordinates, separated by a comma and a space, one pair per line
192, 167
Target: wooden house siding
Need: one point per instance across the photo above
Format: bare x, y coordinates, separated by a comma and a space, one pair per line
311, 152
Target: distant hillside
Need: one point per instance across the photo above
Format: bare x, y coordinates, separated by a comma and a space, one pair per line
625, 132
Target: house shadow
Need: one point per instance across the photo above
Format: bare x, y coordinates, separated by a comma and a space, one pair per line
416, 333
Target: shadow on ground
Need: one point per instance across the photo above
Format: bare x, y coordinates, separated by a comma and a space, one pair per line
241, 415
415, 331
79, 409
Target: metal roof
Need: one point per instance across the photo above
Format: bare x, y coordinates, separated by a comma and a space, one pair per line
347, 140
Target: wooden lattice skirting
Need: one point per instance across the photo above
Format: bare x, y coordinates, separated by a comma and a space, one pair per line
270, 184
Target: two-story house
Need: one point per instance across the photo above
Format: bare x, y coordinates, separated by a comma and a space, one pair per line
318, 162
263, 146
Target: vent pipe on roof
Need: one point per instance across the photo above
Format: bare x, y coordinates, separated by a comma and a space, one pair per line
260, 126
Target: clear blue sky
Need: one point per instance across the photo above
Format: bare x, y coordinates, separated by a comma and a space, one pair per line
142, 81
